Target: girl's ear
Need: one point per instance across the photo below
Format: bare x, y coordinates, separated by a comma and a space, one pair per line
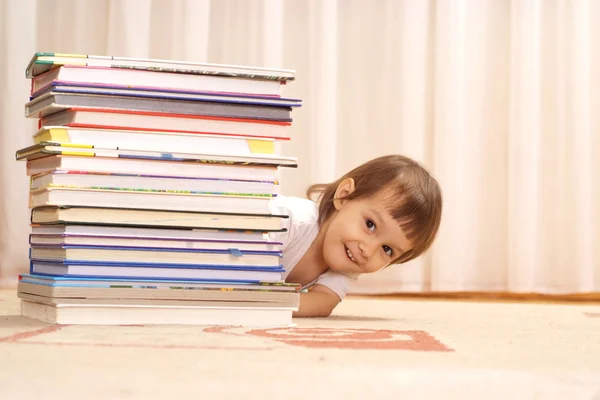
344, 189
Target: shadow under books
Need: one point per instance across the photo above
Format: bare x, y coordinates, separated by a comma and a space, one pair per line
351, 318
19, 321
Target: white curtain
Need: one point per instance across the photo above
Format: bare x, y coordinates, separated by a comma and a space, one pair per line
499, 99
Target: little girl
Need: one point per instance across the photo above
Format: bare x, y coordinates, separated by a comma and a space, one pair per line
384, 212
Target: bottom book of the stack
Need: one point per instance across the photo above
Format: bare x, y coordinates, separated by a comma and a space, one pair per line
98, 300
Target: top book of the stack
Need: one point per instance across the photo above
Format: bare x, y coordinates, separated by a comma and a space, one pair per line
43, 62
175, 80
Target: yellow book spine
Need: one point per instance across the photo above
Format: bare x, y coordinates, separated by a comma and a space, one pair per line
76, 145
52, 135
261, 146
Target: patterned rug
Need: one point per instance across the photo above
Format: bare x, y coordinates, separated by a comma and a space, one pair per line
381, 348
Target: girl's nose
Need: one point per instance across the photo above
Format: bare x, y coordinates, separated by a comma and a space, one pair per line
367, 249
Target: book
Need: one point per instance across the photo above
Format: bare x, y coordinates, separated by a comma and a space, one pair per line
232, 256
58, 86
126, 271
241, 305
95, 180
149, 199
192, 314
53, 102
150, 286
43, 149
41, 62
156, 79
109, 118
151, 218
142, 233
162, 141
151, 242
220, 168
117, 291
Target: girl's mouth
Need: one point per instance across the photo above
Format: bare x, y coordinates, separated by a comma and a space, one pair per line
349, 254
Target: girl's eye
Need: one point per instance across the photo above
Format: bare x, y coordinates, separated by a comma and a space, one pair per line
387, 250
370, 225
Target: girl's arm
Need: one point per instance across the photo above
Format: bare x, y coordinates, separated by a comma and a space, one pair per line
318, 302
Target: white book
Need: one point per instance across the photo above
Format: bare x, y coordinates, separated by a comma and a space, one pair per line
132, 232
163, 141
151, 167
63, 196
80, 240
155, 80
77, 179
102, 314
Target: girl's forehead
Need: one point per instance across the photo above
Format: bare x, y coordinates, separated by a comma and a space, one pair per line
381, 207
384, 199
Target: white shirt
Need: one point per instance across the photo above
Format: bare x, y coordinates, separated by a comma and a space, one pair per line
302, 228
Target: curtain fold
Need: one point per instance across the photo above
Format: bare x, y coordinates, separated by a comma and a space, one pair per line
499, 99
14, 131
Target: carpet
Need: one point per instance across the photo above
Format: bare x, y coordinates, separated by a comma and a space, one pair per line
375, 347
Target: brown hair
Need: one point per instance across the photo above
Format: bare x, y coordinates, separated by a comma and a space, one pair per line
416, 202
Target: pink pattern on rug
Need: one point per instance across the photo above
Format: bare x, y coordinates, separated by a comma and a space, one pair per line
592, 314
347, 338
29, 334
148, 346
21, 338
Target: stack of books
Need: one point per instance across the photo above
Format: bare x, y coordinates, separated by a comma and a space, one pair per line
150, 183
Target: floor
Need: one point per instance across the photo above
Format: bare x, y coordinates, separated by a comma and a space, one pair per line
381, 348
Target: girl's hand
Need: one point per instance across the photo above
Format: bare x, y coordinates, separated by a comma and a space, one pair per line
318, 302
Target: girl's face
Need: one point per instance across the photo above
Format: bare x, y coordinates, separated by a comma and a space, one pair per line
361, 236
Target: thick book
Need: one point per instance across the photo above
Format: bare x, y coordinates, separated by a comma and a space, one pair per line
207, 167
160, 285
147, 218
146, 301
124, 119
198, 257
131, 290
155, 271
149, 242
164, 93
155, 80
143, 199
132, 234
44, 149
44, 61
54, 102
111, 314
91, 180
162, 141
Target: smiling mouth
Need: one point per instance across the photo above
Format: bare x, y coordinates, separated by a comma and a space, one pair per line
350, 256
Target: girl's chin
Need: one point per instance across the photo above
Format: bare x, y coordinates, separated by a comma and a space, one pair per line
343, 266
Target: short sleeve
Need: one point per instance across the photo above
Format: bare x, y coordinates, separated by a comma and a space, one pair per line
301, 228
337, 282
